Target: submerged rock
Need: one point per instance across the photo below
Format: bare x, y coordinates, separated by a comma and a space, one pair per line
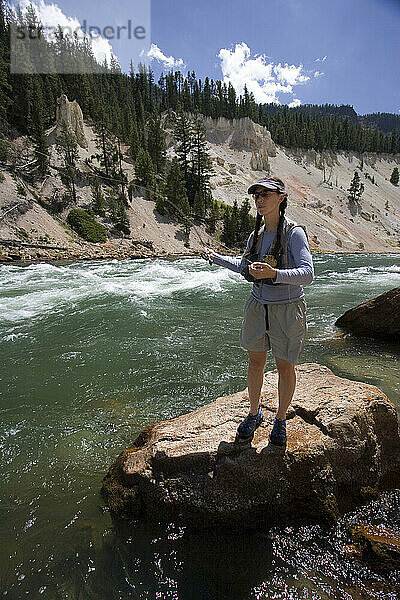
343, 447
376, 544
379, 317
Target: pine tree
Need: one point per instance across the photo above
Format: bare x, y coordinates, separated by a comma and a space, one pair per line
232, 105
98, 197
36, 126
235, 222
5, 87
228, 233
134, 141
394, 178
67, 148
144, 171
156, 143
112, 204
121, 217
246, 222
356, 188
176, 191
213, 217
108, 156
199, 205
160, 204
201, 162
207, 98
120, 175
183, 133
360, 192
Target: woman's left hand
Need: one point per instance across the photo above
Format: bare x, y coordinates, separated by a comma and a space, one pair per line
260, 270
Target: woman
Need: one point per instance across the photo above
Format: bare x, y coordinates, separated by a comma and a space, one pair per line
278, 261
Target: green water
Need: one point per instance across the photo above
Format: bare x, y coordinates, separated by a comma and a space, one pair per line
94, 351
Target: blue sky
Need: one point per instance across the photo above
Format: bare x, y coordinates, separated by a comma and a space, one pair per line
287, 51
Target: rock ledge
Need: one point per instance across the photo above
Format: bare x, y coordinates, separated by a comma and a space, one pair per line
343, 448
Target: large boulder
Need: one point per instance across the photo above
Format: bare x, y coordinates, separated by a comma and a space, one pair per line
379, 317
343, 447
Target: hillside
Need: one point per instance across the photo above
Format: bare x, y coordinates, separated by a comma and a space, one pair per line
241, 152
332, 222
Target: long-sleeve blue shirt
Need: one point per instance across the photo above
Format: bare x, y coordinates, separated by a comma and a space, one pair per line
300, 269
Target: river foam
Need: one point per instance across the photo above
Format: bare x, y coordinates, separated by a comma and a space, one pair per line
33, 291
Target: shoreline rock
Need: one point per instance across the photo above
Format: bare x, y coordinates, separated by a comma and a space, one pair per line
379, 317
343, 448
12, 256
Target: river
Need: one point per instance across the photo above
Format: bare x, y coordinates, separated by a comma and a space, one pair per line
94, 351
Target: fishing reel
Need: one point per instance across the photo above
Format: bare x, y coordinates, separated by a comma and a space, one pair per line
206, 257
269, 259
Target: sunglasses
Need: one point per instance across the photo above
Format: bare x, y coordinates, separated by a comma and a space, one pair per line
264, 193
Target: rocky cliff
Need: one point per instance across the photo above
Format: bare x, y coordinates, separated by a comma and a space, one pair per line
242, 134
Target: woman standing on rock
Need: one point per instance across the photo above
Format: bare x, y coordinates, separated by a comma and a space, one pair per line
278, 261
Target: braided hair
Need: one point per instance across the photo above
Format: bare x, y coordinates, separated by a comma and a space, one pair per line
257, 226
277, 248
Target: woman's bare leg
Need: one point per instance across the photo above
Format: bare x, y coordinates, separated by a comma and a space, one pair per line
255, 378
286, 385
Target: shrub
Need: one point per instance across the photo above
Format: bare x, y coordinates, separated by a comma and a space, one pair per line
21, 233
86, 226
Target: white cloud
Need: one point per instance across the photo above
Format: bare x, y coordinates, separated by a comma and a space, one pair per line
295, 102
318, 74
51, 16
321, 59
168, 61
290, 74
265, 79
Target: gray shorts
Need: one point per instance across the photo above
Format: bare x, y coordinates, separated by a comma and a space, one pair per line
286, 331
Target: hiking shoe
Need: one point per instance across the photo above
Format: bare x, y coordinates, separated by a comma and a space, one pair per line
248, 426
278, 433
